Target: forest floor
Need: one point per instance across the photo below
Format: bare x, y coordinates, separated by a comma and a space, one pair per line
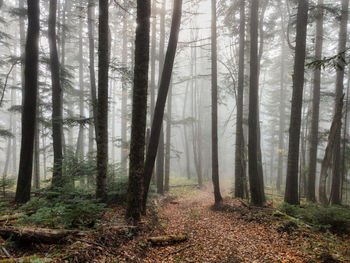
233, 232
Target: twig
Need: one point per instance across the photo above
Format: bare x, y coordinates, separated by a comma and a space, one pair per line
177, 251
7, 254
6, 80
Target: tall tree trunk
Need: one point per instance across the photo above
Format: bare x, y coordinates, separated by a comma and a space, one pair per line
160, 152
335, 127
124, 113
336, 173
254, 178
315, 106
240, 162
81, 134
139, 112
187, 151
214, 107
22, 40
57, 99
161, 98
291, 193
282, 114
153, 57
93, 105
102, 102
36, 181
29, 103
168, 140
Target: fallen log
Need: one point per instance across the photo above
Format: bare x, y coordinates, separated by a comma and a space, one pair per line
43, 235
167, 240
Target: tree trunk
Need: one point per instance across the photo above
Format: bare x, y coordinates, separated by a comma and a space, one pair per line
253, 147
160, 152
240, 162
336, 173
161, 99
168, 140
36, 181
29, 103
124, 113
153, 57
139, 112
57, 99
291, 193
81, 134
187, 151
102, 102
214, 107
91, 33
311, 196
282, 114
336, 126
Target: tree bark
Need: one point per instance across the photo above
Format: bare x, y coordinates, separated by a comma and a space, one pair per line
282, 114
102, 102
161, 99
124, 113
214, 106
139, 112
291, 193
240, 162
81, 134
29, 103
311, 196
57, 98
153, 57
168, 140
336, 172
93, 103
254, 179
336, 126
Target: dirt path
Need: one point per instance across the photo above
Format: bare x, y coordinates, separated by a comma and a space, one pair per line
220, 236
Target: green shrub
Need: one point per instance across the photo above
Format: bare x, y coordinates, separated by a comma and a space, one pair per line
334, 218
63, 207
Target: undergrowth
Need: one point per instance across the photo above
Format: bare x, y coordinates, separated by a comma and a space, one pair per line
62, 207
322, 218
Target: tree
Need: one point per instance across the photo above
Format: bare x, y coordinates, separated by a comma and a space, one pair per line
161, 99
282, 113
291, 193
214, 106
315, 106
339, 89
124, 114
57, 98
29, 103
102, 101
240, 163
91, 33
255, 182
139, 112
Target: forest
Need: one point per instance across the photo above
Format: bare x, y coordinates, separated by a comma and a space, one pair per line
175, 131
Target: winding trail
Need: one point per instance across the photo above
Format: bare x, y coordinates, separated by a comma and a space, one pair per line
221, 236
